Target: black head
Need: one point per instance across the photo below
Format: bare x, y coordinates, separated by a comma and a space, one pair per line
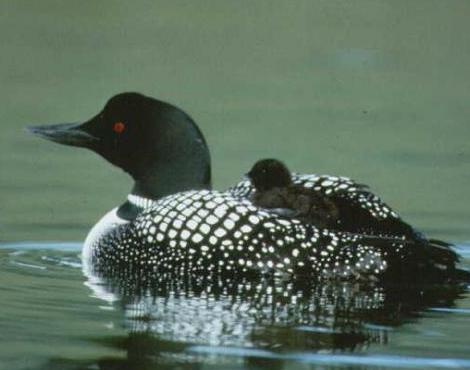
269, 173
158, 144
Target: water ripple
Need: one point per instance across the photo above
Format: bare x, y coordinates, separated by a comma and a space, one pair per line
55, 245
329, 359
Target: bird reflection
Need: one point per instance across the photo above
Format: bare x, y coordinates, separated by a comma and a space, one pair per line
167, 317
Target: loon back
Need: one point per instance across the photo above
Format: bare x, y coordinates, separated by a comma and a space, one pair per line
171, 222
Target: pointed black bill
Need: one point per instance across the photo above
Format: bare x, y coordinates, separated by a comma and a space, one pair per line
65, 133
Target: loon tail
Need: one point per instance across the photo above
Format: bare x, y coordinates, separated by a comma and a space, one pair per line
446, 259
429, 261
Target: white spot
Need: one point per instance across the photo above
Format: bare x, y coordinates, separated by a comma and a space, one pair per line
205, 228
185, 234
229, 224
213, 240
253, 219
196, 238
203, 212
234, 216
192, 224
221, 210
211, 220
284, 222
241, 209
188, 211
246, 229
220, 232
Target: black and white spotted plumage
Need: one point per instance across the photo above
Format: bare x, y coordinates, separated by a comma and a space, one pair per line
209, 232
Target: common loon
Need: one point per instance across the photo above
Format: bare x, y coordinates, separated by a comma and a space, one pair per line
275, 191
173, 223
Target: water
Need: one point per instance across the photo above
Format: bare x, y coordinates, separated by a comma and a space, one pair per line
373, 90
54, 318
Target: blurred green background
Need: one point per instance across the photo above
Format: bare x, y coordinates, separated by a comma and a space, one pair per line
375, 90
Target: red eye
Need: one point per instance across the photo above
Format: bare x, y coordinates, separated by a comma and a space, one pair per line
119, 127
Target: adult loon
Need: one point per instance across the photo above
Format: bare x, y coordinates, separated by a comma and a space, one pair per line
173, 223
275, 190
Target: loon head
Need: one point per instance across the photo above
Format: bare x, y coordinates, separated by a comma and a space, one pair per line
158, 144
269, 173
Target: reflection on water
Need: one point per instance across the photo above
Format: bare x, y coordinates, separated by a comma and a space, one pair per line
152, 322
269, 313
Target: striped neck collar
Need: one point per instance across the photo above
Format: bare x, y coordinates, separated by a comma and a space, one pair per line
140, 202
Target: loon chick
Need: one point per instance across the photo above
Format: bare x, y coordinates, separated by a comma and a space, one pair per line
276, 191
173, 223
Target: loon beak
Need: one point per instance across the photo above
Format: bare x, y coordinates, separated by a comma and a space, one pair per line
65, 133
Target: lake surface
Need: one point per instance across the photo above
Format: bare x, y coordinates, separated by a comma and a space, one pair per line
374, 90
54, 318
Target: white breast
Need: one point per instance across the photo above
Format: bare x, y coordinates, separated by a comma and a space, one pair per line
105, 225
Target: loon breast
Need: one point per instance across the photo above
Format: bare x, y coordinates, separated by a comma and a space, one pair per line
105, 226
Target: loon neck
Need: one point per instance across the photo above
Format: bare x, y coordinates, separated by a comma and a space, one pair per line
172, 177
175, 159
146, 193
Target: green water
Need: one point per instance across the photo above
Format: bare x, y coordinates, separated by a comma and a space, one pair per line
374, 90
